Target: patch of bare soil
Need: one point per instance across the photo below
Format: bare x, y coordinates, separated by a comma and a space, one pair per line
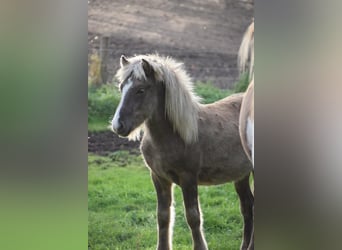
103, 143
204, 34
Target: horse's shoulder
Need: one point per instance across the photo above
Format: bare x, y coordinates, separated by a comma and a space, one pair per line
148, 151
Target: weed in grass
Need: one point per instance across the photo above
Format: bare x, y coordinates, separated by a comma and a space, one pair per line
121, 158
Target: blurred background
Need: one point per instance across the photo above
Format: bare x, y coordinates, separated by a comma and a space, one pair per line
45, 98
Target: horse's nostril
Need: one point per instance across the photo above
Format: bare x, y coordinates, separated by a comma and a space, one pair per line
121, 125
118, 125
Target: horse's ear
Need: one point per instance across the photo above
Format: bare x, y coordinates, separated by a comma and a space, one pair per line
123, 61
147, 67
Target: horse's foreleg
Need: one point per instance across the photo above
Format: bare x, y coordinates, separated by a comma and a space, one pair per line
246, 204
193, 214
164, 212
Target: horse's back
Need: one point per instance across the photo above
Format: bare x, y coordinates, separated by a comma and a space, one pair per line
222, 153
221, 118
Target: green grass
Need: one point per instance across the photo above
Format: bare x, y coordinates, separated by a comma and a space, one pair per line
242, 84
102, 102
98, 124
122, 205
209, 93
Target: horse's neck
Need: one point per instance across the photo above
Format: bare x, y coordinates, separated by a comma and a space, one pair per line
158, 125
159, 133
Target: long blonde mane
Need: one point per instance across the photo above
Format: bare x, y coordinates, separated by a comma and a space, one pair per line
181, 103
246, 51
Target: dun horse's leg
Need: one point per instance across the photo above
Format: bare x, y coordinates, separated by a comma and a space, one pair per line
251, 243
246, 204
164, 210
193, 215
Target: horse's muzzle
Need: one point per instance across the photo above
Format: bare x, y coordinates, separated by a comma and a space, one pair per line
121, 129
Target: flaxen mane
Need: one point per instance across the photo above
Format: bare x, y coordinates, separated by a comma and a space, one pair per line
181, 103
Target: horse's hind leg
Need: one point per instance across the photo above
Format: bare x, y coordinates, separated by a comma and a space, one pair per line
251, 243
242, 187
164, 210
193, 213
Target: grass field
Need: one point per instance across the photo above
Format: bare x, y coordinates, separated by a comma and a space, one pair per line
122, 205
121, 196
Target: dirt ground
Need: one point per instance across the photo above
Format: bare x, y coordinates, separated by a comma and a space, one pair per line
204, 34
103, 143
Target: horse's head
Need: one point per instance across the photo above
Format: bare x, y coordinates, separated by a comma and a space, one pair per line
139, 96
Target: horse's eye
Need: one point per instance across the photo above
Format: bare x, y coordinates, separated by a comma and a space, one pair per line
140, 91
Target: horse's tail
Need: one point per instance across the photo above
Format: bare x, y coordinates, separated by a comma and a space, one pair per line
246, 51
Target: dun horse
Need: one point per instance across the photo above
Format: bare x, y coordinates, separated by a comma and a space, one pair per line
184, 142
246, 124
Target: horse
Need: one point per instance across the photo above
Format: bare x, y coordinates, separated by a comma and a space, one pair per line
246, 120
184, 142
246, 124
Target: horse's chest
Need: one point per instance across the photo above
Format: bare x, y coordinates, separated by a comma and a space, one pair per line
166, 164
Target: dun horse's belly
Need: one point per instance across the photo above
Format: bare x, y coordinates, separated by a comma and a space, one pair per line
219, 175
209, 171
